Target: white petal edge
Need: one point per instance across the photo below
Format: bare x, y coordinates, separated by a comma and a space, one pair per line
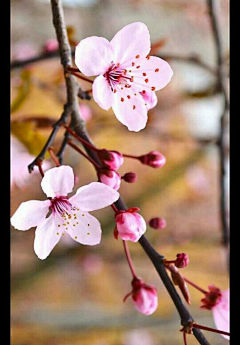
47, 235
58, 181
94, 196
102, 93
29, 214
88, 230
131, 41
93, 55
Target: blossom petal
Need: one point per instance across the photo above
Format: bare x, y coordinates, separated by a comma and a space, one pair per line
130, 109
86, 230
152, 73
30, 214
221, 313
47, 235
102, 93
58, 181
131, 44
94, 196
93, 55
150, 98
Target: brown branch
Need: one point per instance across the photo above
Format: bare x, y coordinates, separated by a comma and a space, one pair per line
220, 85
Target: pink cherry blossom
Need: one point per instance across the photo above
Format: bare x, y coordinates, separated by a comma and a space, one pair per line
127, 76
221, 313
68, 215
144, 296
130, 225
111, 178
146, 300
20, 158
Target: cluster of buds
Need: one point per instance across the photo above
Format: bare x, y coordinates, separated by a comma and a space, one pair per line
212, 298
130, 225
112, 160
144, 296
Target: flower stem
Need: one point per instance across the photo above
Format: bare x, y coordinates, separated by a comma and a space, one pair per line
54, 157
185, 338
129, 259
75, 72
39, 164
169, 262
130, 156
195, 325
114, 208
83, 154
194, 285
80, 139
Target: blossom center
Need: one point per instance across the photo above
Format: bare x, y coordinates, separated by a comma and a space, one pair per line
60, 205
117, 75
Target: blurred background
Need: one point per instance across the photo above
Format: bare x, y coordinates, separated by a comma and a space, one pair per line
75, 296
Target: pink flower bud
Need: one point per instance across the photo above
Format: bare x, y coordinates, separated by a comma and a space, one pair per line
182, 260
85, 112
112, 159
111, 178
157, 223
130, 177
51, 45
154, 159
144, 297
212, 298
130, 225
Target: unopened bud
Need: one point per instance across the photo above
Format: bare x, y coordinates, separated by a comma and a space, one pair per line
111, 178
179, 281
182, 260
112, 159
144, 297
154, 159
157, 223
130, 177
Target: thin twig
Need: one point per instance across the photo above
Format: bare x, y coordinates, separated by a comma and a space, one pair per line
192, 59
51, 138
